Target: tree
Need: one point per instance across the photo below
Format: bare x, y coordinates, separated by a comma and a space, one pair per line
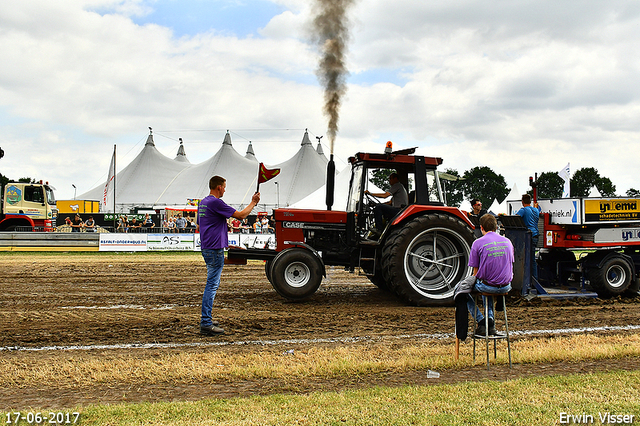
380, 178
549, 185
632, 192
452, 189
587, 177
4, 180
485, 184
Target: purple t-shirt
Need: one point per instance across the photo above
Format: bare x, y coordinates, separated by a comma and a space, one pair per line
493, 255
212, 219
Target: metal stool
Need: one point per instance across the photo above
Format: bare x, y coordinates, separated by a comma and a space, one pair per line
486, 337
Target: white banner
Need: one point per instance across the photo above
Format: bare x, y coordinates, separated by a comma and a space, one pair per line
123, 242
173, 242
177, 242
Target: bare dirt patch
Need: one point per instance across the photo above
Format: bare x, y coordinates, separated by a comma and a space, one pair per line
125, 299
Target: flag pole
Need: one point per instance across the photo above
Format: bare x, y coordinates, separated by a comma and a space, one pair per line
114, 187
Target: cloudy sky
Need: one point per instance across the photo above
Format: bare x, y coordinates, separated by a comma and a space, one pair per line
519, 86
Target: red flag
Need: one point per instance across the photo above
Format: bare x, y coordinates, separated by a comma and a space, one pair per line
265, 174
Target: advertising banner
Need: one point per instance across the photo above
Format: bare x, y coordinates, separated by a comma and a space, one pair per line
564, 211
234, 240
617, 235
123, 242
173, 242
611, 210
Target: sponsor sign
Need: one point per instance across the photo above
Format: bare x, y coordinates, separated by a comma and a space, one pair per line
123, 242
173, 242
234, 240
565, 211
611, 210
257, 241
617, 235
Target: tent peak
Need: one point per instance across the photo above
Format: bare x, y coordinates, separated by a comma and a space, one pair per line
305, 138
150, 138
227, 139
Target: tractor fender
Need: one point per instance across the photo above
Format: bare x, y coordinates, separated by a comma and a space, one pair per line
311, 249
415, 210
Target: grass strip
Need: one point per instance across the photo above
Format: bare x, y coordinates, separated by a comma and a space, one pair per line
526, 401
78, 369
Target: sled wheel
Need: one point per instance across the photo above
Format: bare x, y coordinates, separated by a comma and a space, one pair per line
613, 278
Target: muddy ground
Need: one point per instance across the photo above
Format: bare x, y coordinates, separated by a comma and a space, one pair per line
111, 299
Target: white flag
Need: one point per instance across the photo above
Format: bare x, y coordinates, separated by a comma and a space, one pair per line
566, 176
109, 187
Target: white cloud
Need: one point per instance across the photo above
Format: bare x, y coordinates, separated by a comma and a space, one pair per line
522, 87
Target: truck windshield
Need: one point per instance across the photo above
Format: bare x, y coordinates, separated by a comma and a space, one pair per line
51, 199
355, 188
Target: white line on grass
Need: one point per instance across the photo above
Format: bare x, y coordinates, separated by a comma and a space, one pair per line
436, 336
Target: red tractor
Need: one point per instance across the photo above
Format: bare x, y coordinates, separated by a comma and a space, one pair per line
420, 255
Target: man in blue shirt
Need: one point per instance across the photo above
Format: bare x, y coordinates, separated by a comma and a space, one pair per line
530, 216
212, 225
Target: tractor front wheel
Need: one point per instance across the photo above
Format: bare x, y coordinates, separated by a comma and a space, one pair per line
296, 273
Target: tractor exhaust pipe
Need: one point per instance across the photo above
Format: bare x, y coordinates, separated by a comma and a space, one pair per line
331, 176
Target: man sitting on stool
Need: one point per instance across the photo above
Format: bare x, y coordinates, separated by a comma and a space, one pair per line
399, 199
491, 258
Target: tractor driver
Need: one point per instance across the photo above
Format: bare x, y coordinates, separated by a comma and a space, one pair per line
399, 199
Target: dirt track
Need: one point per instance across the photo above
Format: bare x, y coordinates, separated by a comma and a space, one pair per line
116, 299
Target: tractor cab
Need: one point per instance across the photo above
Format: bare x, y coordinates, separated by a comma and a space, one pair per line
417, 174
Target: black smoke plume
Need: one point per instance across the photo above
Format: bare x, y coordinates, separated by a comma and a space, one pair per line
332, 32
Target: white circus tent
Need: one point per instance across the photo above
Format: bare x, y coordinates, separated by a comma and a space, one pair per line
153, 179
299, 176
140, 182
193, 182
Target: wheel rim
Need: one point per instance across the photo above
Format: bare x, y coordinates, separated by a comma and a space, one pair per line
297, 274
434, 262
616, 276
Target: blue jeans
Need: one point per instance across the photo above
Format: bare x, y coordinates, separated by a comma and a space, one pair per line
214, 259
483, 288
534, 265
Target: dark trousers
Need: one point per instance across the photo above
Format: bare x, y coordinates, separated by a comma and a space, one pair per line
381, 211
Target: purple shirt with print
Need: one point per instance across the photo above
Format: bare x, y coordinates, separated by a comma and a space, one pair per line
493, 255
212, 219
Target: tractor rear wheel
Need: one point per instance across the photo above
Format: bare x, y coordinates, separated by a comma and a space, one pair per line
425, 259
296, 273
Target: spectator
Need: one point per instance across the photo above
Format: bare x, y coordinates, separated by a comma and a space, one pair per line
257, 226
123, 224
245, 227
90, 225
76, 223
475, 215
235, 225
265, 225
148, 222
134, 225
181, 223
171, 225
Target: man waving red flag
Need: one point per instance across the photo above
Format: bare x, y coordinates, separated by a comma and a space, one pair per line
265, 174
